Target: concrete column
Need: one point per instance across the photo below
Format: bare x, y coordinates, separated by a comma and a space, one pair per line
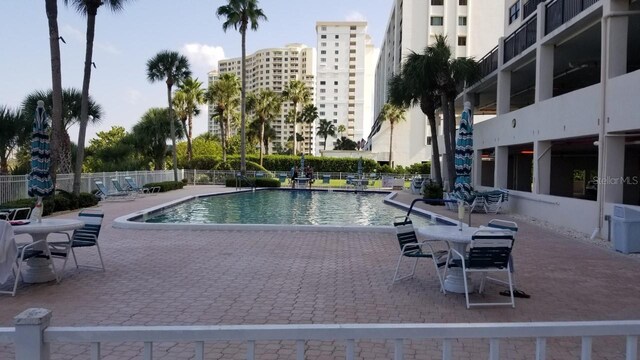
612, 179
476, 169
29, 339
502, 167
542, 167
544, 60
617, 39
503, 96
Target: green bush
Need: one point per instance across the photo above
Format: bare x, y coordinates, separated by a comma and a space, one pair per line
86, 200
248, 182
432, 190
62, 201
166, 185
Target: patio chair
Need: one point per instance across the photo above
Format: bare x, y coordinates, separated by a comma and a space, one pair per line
121, 189
15, 213
489, 252
13, 256
87, 236
496, 200
107, 195
416, 185
133, 185
411, 248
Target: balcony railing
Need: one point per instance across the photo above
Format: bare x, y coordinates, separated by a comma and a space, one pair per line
530, 7
489, 63
561, 11
521, 39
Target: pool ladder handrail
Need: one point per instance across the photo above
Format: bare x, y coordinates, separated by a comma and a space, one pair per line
240, 177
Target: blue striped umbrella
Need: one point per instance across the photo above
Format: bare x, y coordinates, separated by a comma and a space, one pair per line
360, 168
40, 183
464, 155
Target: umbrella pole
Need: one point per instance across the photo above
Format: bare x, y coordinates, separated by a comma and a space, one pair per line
37, 210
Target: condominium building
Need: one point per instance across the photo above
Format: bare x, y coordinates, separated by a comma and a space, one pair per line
212, 124
272, 69
564, 139
471, 28
345, 78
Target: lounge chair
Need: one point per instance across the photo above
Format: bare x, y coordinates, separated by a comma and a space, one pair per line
15, 213
496, 200
133, 186
416, 185
119, 188
107, 195
87, 236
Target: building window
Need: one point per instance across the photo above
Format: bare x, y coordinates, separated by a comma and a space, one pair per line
437, 21
337, 36
462, 2
323, 44
323, 28
323, 36
514, 12
352, 28
462, 41
323, 60
437, 2
322, 52
337, 52
462, 20
322, 82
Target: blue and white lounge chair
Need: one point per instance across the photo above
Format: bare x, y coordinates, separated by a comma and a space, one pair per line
107, 195
133, 186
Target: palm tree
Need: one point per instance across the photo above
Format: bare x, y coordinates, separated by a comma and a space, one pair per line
393, 114
450, 74
173, 68
181, 109
223, 94
266, 105
240, 14
151, 132
341, 129
70, 112
15, 131
416, 85
90, 9
57, 127
298, 93
326, 129
192, 95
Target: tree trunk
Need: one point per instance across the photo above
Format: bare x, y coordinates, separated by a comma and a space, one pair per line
261, 141
295, 125
448, 124
184, 126
243, 99
223, 134
189, 134
51, 7
84, 104
4, 165
325, 142
391, 144
172, 127
428, 108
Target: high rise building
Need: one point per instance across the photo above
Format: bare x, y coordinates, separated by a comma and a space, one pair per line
272, 69
471, 28
212, 125
345, 79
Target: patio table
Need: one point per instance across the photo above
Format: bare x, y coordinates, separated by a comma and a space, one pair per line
38, 270
458, 240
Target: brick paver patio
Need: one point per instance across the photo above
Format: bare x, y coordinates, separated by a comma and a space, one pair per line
295, 277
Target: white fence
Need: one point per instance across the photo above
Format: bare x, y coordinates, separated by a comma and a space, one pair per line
32, 336
14, 187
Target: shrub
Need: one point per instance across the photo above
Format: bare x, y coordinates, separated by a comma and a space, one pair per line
62, 201
166, 185
432, 190
87, 200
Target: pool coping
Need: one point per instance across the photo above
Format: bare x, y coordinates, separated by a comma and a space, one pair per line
126, 222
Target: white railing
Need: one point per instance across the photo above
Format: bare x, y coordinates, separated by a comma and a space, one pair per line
32, 336
14, 187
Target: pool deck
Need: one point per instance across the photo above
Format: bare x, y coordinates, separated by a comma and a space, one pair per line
168, 277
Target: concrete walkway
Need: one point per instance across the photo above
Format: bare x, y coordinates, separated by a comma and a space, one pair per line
282, 277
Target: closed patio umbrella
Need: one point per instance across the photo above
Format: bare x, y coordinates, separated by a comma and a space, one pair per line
40, 184
464, 155
360, 168
302, 162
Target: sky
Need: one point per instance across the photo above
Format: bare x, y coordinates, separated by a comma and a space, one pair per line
126, 40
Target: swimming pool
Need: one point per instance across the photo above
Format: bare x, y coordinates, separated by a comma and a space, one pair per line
298, 208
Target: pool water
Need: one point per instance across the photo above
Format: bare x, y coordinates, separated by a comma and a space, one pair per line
291, 207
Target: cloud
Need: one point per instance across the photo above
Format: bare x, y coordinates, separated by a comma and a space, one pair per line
355, 16
203, 57
69, 33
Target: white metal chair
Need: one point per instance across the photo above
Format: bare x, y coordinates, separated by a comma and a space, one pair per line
107, 195
496, 201
15, 213
489, 252
87, 236
411, 248
13, 256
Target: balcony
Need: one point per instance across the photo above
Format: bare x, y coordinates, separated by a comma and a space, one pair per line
489, 63
560, 11
530, 7
521, 39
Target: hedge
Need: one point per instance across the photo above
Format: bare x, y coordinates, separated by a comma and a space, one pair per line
166, 185
284, 163
248, 182
62, 201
